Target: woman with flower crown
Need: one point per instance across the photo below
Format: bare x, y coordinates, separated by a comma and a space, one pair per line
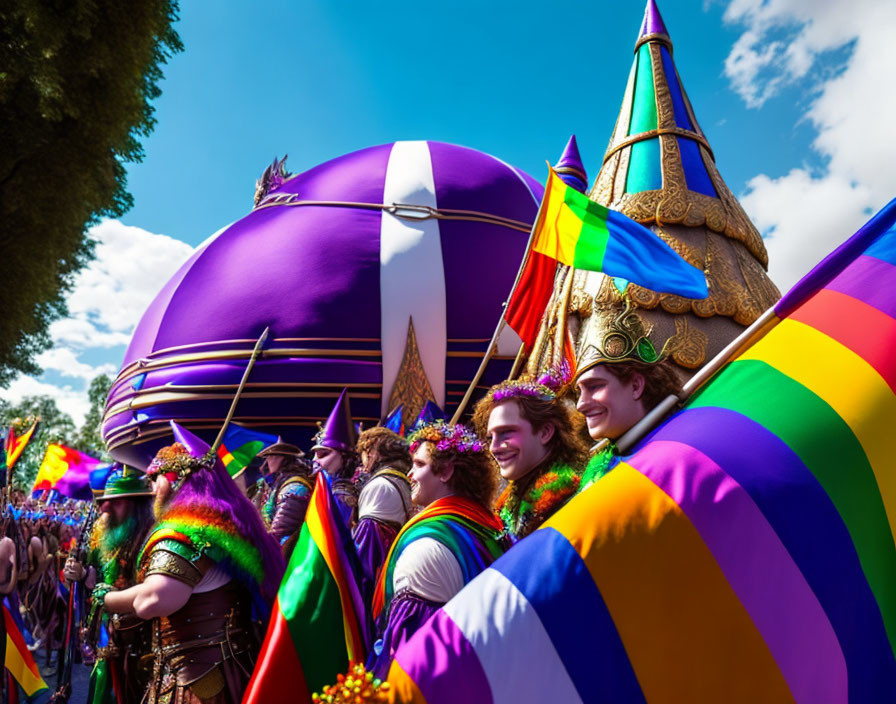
452, 539
537, 439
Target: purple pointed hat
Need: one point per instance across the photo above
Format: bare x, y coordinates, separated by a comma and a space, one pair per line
570, 168
653, 24
196, 446
338, 433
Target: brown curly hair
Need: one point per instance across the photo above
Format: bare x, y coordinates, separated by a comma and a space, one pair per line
566, 446
660, 379
387, 448
475, 473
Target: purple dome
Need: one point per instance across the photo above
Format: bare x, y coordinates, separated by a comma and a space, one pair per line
395, 303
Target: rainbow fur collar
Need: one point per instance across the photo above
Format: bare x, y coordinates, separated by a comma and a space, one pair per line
212, 534
522, 509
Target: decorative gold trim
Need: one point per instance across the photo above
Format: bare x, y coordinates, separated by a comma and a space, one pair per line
251, 343
411, 387
142, 366
199, 388
650, 134
406, 211
658, 37
688, 345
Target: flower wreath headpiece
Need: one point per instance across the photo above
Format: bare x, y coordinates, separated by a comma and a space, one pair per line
545, 387
447, 437
176, 463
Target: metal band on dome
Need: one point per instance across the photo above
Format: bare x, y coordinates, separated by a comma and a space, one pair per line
642, 136
658, 37
572, 171
407, 211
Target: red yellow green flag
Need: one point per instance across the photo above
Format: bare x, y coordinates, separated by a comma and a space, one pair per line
318, 622
15, 446
576, 231
19, 661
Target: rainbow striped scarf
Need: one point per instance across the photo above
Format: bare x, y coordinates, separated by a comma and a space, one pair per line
465, 527
214, 535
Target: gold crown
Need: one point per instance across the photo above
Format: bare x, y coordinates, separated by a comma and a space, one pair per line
613, 336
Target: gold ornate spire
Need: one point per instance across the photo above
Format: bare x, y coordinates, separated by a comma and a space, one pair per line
412, 387
659, 169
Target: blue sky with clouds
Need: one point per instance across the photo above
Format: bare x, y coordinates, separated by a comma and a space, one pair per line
792, 96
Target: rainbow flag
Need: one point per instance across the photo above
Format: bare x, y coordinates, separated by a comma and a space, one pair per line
576, 231
318, 625
240, 446
19, 661
65, 470
15, 446
744, 551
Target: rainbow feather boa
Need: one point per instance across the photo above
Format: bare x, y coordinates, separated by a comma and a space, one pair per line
212, 534
521, 513
469, 530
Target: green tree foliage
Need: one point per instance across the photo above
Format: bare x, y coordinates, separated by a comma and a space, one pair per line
76, 83
55, 426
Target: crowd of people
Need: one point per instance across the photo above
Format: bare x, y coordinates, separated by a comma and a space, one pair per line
183, 562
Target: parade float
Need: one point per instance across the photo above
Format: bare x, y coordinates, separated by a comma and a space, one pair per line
382, 271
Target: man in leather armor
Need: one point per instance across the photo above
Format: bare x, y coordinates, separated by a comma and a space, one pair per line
207, 577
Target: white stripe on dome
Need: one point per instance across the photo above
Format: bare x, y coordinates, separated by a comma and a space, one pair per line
412, 273
491, 612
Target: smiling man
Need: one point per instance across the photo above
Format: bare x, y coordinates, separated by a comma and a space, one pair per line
535, 437
452, 539
620, 377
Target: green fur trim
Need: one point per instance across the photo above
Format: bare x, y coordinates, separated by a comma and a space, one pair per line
553, 488
220, 543
599, 464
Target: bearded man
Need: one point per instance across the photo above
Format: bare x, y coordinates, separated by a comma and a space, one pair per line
207, 578
125, 506
384, 504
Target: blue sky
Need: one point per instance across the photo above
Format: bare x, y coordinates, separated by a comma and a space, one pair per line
515, 79
792, 96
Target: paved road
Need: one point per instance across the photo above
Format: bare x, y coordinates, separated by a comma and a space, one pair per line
80, 680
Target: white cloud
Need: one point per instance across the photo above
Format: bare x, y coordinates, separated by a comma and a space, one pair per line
130, 268
64, 361
69, 399
850, 106
107, 300
800, 225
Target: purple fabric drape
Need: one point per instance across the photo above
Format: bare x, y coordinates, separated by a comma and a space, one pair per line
407, 614
373, 540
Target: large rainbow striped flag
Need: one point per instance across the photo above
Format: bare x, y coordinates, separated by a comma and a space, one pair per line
576, 231
318, 622
743, 552
19, 660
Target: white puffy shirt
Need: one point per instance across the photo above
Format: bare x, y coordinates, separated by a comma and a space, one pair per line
428, 569
213, 578
381, 499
